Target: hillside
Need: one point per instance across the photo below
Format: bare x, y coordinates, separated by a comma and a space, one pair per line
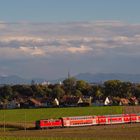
91, 78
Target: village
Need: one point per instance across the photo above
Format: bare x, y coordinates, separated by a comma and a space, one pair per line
69, 93
66, 102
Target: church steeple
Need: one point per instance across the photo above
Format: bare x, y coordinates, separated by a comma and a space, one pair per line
69, 74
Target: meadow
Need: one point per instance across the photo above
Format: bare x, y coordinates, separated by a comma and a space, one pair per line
27, 117
31, 115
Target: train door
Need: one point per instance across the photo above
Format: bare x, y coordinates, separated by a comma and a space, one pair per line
66, 122
95, 120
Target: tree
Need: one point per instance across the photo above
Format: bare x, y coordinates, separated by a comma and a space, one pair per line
78, 93
69, 85
6, 92
126, 90
97, 92
23, 90
113, 88
137, 90
38, 90
118, 88
57, 92
81, 85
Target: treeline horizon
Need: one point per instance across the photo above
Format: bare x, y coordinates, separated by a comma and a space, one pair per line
71, 87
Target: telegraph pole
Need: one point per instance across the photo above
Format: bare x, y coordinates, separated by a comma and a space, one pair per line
25, 119
4, 125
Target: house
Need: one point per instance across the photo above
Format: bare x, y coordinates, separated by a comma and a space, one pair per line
115, 100
4, 104
107, 101
80, 101
13, 104
30, 103
98, 103
85, 101
70, 101
124, 101
34, 102
45, 103
134, 101
49, 102
55, 102
9, 104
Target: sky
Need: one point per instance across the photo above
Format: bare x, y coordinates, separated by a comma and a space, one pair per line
48, 38
69, 10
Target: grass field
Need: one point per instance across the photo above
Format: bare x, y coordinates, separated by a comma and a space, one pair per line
25, 117
31, 115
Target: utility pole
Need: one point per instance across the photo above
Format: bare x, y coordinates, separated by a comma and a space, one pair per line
25, 129
4, 121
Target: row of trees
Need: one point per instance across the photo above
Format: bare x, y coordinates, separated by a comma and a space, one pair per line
71, 86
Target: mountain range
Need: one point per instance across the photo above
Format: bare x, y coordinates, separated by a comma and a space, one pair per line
89, 77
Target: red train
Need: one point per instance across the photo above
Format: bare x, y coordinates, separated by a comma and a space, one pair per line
87, 121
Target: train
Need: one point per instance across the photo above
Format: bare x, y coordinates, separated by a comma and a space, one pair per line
76, 121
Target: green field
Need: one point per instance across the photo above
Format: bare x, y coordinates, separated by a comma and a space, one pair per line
31, 115
25, 118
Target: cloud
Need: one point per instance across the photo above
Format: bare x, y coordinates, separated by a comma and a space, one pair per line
81, 49
86, 38
20, 53
109, 23
34, 51
101, 46
20, 38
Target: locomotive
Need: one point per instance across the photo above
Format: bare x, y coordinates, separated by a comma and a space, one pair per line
87, 121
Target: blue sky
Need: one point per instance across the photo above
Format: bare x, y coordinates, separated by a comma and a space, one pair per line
51, 37
69, 10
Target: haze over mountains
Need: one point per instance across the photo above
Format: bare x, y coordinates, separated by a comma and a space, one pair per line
89, 77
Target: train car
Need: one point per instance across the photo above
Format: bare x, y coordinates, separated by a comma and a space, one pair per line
79, 121
48, 123
138, 118
102, 120
88, 121
126, 118
134, 118
116, 119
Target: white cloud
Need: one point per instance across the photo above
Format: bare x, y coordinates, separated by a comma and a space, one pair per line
109, 23
30, 40
20, 53
34, 51
109, 44
20, 38
81, 49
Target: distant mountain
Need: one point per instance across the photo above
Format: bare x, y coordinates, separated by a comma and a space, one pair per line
13, 79
91, 78
102, 77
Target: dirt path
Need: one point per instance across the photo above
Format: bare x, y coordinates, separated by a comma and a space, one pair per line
130, 131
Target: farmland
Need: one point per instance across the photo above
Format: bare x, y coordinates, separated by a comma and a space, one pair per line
21, 118
31, 115
113, 132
